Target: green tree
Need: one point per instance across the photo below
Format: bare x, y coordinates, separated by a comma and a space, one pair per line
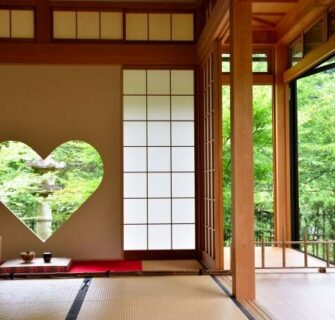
263, 161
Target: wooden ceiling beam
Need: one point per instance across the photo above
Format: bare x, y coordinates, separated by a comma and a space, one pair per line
275, 1
299, 18
269, 14
213, 28
88, 53
264, 22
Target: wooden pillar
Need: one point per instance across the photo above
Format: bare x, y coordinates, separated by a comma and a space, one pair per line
42, 21
242, 150
282, 207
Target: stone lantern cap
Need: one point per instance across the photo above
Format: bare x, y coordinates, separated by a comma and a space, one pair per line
48, 163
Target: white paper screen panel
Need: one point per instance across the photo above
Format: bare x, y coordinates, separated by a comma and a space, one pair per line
135, 159
159, 159
158, 107
135, 211
159, 211
22, 24
182, 27
17, 24
136, 237
159, 237
159, 166
108, 25
111, 25
137, 26
87, 25
4, 24
159, 27
64, 25
134, 107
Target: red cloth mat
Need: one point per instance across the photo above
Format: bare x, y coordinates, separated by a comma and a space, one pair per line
103, 266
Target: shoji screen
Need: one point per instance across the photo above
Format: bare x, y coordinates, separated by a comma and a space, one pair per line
212, 215
159, 181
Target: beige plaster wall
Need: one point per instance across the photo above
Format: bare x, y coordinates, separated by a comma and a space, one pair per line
44, 106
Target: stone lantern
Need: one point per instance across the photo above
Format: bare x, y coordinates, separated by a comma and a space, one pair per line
47, 186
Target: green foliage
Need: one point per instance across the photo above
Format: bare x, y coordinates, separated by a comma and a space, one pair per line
18, 182
263, 161
316, 155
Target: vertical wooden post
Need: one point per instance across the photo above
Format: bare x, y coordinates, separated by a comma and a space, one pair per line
327, 253
281, 148
42, 21
284, 252
263, 253
305, 250
242, 150
218, 181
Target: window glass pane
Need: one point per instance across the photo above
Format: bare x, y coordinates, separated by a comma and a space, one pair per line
183, 236
135, 211
182, 82
134, 108
134, 159
135, 237
296, 52
316, 158
159, 211
183, 185
135, 185
225, 62
159, 159
134, 82
158, 81
158, 107
314, 36
159, 185
183, 211
182, 133
326, 63
183, 159
260, 62
134, 133
159, 237
158, 133
182, 108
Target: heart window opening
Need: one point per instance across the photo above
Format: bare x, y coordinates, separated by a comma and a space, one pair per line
45, 193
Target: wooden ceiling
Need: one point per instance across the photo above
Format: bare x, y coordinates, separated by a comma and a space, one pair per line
268, 13
280, 21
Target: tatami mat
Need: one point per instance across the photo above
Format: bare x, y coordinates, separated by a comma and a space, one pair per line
164, 298
171, 265
37, 299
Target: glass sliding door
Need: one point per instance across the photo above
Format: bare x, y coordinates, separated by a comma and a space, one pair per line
314, 141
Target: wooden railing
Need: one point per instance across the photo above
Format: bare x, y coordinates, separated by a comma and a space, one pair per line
284, 245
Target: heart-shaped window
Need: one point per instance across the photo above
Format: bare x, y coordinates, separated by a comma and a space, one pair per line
44, 193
